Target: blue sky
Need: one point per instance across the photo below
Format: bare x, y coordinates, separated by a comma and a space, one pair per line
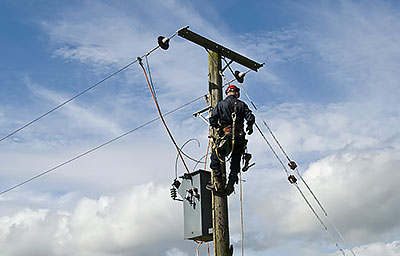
329, 90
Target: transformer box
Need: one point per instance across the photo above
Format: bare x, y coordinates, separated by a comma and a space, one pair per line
197, 213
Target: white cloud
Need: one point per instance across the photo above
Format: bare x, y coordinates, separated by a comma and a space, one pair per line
359, 43
358, 189
379, 248
124, 224
81, 117
176, 252
352, 143
23, 229
316, 129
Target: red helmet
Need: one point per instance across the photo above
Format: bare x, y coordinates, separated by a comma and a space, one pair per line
231, 88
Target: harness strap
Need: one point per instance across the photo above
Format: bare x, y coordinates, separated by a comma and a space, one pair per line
233, 124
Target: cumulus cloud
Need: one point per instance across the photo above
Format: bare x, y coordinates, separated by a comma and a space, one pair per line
349, 143
23, 228
389, 249
124, 224
358, 189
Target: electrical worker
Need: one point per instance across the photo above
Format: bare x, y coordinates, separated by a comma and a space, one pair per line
228, 117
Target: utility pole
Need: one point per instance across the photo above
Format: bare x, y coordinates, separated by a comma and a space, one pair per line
219, 200
216, 52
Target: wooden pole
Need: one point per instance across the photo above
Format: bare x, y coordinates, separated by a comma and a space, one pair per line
219, 201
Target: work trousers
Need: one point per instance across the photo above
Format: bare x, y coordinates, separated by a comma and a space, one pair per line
238, 150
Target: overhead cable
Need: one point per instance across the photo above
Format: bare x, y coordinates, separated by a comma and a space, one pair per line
151, 87
79, 94
292, 164
301, 178
96, 148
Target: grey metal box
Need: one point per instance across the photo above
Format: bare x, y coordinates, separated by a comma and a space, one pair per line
197, 214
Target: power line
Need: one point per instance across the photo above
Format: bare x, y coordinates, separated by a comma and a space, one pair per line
79, 94
95, 148
151, 87
67, 101
293, 166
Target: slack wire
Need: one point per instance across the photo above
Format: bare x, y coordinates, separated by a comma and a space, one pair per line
161, 115
79, 94
96, 148
191, 158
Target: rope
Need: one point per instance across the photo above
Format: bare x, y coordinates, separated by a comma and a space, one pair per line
208, 148
241, 211
96, 148
198, 246
79, 94
209, 140
199, 243
161, 116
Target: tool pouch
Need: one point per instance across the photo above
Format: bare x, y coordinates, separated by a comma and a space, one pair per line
224, 144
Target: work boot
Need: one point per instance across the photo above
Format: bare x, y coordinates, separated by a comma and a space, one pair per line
217, 185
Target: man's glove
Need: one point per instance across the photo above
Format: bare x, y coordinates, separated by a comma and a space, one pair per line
249, 129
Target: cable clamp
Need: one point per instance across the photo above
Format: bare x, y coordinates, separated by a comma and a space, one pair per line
140, 61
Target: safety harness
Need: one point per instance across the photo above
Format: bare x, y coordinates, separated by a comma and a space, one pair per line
221, 143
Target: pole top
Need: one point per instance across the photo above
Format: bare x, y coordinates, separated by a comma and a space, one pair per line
221, 50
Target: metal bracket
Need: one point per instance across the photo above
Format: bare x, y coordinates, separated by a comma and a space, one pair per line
199, 114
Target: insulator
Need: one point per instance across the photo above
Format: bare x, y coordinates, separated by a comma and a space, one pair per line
292, 179
173, 193
239, 76
292, 165
176, 183
163, 42
196, 193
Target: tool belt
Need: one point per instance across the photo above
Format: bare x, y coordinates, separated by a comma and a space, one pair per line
224, 142
239, 131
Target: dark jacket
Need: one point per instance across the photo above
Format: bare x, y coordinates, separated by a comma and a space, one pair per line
222, 113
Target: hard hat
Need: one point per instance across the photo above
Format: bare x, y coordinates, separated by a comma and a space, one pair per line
231, 88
